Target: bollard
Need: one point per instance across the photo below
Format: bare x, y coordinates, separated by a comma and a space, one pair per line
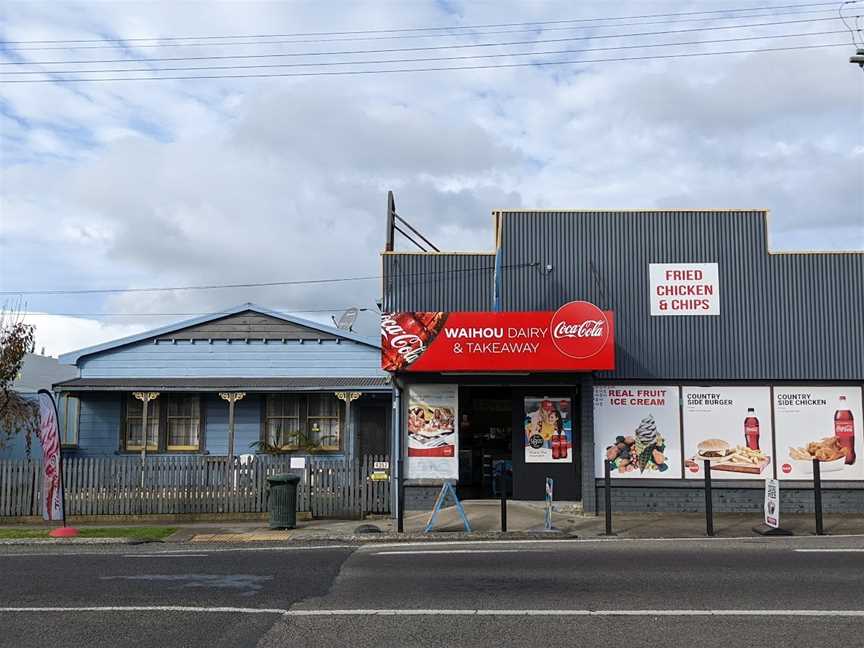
817, 496
503, 502
709, 501
607, 495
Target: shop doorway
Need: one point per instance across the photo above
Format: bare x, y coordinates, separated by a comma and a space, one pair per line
485, 441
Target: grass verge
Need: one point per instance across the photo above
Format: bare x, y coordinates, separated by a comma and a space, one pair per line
142, 533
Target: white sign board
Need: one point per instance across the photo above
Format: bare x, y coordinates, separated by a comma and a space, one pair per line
298, 463
684, 288
772, 503
731, 428
823, 423
433, 437
637, 429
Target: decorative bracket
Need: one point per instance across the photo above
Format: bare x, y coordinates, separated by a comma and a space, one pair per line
232, 397
145, 397
348, 397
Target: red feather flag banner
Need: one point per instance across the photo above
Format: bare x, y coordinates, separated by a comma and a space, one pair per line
52, 477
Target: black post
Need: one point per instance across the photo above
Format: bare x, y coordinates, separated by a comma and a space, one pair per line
607, 495
400, 499
503, 501
709, 501
817, 496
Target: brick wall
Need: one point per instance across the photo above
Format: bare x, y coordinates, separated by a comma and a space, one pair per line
728, 500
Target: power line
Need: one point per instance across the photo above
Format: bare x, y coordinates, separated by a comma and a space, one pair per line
425, 59
428, 69
419, 29
430, 47
416, 36
267, 284
281, 310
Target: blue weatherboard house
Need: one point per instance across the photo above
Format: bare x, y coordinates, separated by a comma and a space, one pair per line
298, 387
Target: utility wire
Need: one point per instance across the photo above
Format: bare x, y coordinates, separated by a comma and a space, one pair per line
416, 36
281, 310
429, 47
427, 69
423, 59
420, 29
102, 291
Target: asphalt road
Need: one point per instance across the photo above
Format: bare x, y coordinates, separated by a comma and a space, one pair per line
759, 592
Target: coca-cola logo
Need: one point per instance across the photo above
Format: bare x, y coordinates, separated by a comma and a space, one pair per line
579, 330
408, 345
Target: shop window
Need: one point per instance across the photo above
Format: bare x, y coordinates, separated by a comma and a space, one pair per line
133, 432
183, 422
68, 408
296, 422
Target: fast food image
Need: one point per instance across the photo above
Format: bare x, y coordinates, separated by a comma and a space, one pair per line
827, 449
645, 449
713, 450
724, 457
425, 421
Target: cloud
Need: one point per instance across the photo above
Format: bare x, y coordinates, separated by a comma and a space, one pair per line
222, 181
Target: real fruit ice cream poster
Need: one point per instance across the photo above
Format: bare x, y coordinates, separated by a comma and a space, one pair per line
433, 436
730, 427
637, 428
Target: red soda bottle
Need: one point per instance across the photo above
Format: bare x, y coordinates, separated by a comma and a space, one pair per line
751, 429
556, 446
844, 429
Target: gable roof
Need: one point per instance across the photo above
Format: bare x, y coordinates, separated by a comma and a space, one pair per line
74, 356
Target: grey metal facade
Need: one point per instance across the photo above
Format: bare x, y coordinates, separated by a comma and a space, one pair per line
787, 317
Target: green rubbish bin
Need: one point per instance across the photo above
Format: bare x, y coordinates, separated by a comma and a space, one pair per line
282, 501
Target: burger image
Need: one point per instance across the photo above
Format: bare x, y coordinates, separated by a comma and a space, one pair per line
713, 449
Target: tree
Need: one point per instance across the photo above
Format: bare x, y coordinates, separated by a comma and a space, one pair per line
17, 414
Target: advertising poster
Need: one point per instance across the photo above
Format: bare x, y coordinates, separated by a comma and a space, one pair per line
433, 438
548, 430
821, 423
637, 428
52, 480
731, 428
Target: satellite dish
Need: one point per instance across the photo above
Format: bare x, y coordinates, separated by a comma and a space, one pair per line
347, 319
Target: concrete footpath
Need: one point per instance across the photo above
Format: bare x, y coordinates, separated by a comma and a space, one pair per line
524, 521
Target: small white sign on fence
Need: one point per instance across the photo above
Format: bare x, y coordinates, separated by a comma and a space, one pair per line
298, 462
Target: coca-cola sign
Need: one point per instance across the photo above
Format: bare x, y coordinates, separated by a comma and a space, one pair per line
579, 329
577, 337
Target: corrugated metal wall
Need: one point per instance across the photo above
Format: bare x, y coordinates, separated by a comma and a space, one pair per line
782, 317
440, 281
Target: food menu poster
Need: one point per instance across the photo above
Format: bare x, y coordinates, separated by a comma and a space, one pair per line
548, 430
815, 423
637, 429
433, 437
731, 428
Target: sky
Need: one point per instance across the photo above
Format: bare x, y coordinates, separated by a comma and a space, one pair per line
162, 183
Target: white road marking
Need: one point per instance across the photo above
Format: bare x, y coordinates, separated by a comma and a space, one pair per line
443, 612
830, 550
176, 554
447, 552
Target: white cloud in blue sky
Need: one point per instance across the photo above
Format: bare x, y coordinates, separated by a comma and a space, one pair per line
212, 181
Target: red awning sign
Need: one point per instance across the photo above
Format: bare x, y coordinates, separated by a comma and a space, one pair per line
577, 337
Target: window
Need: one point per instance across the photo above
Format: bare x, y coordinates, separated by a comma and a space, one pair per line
307, 423
174, 423
183, 422
68, 408
323, 421
283, 422
134, 415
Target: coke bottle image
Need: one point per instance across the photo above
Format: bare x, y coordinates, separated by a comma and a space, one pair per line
751, 429
844, 429
556, 446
